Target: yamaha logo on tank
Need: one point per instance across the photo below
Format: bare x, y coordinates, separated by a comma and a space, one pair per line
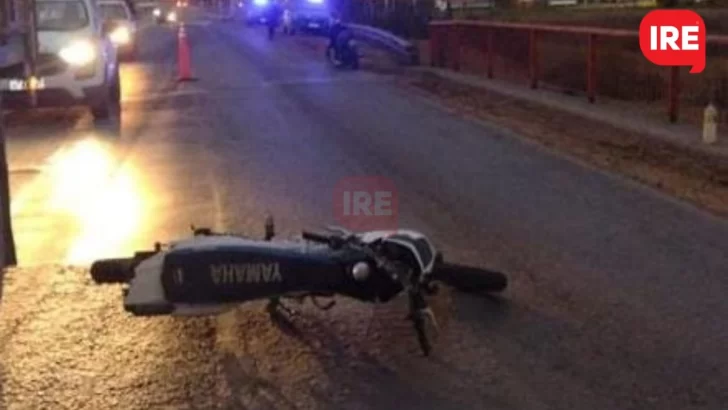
242, 273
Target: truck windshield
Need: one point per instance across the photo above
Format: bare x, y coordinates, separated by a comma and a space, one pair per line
61, 15
113, 12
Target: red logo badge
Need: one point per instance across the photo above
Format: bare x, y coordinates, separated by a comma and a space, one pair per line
674, 38
365, 203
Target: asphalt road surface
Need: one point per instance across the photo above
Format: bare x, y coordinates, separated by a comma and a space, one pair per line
618, 296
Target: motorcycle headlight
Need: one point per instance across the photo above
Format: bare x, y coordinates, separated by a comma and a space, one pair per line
121, 35
157, 12
172, 16
78, 53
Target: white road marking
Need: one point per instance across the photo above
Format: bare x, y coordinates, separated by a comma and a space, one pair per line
202, 23
365, 78
162, 95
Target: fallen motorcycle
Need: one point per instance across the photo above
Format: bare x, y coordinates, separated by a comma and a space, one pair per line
347, 55
212, 272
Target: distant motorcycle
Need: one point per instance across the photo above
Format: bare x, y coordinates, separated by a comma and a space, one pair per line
345, 54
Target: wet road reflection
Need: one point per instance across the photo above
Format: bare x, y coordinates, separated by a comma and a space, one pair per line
84, 197
104, 200
76, 192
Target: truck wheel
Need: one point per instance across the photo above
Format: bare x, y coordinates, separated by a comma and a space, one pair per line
108, 101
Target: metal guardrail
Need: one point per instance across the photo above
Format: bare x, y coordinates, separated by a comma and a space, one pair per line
448, 40
406, 52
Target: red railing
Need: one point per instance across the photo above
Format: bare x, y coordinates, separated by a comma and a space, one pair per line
640, 80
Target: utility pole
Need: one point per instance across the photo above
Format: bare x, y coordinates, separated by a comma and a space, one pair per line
18, 46
8, 256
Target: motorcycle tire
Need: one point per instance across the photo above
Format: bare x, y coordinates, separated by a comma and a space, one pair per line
471, 279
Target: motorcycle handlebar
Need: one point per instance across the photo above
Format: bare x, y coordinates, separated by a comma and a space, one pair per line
470, 279
119, 270
315, 237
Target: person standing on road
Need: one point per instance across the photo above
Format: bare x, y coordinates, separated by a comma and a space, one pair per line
274, 18
335, 29
287, 21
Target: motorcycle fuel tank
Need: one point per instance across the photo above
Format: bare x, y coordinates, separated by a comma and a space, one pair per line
236, 270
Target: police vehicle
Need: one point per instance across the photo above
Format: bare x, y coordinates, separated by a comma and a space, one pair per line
256, 11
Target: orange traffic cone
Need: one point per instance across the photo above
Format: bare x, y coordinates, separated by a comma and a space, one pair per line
183, 56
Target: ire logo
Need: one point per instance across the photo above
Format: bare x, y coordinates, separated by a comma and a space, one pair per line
674, 38
366, 203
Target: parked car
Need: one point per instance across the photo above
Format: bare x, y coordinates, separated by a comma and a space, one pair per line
165, 14
145, 10
311, 16
123, 33
77, 62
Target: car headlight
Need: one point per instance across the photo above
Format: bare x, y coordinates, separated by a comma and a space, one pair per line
157, 12
78, 53
260, 2
121, 35
172, 16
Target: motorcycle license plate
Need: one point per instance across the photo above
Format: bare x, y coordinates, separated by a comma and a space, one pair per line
19, 84
314, 25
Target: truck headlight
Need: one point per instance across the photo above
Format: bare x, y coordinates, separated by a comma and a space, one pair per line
157, 12
121, 36
78, 53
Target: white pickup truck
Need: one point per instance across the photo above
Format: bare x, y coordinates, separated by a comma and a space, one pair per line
76, 62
